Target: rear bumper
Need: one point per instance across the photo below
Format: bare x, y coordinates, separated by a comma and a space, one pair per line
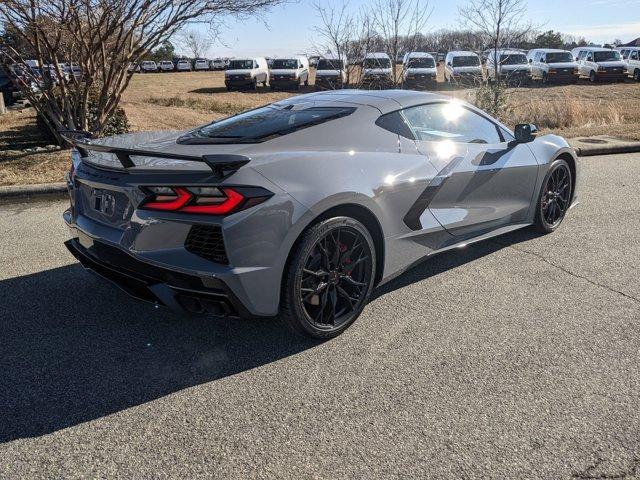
284, 82
563, 77
611, 77
180, 292
420, 81
238, 82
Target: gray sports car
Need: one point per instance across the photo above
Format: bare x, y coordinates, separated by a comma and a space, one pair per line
300, 208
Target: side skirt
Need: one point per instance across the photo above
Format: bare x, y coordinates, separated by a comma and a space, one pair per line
460, 244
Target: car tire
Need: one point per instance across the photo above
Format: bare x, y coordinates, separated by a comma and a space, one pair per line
592, 77
554, 198
325, 288
545, 78
636, 75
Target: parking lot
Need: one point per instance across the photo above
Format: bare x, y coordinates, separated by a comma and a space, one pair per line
513, 358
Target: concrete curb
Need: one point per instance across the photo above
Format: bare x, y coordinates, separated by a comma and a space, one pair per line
607, 150
40, 189
602, 145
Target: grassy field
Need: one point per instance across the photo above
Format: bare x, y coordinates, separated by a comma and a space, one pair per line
170, 101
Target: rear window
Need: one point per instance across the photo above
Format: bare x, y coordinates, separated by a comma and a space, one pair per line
559, 57
240, 64
264, 123
325, 64
376, 63
285, 64
423, 62
466, 61
606, 56
513, 59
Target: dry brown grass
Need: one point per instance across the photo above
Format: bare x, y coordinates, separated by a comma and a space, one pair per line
184, 100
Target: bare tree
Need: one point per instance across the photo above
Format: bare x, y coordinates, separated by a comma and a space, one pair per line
195, 42
501, 23
398, 23
343, 34
104, 38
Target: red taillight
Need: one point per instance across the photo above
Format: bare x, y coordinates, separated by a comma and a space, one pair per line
203, 200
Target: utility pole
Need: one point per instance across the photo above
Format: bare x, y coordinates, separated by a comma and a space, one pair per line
3, 109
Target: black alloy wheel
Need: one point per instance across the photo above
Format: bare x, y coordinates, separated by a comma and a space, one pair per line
555, 197
329, 278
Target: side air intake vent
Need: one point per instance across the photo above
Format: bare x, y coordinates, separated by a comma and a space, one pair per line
206, 241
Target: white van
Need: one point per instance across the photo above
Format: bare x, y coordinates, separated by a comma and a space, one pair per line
331, 72
167, 66
148, 66
289, 72
600, 64
553, 65
217, 64
419, 70
376, 70
246, 72
183, 65
462, 67
513, 66
201, 64
631, 56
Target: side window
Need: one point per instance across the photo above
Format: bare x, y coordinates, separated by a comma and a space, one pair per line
634, 55
450, 121
582, 55
589, 57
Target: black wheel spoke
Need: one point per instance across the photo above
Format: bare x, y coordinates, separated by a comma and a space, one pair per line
335, 278
556, 195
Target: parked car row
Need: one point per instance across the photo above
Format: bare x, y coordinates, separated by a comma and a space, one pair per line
180, 65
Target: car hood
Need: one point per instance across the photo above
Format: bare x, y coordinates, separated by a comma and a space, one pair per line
377, 71
513, 68
432, 71
613, 63
327, 73
563, 65
472, 69
284, 71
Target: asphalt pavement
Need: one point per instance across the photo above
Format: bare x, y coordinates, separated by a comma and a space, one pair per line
517, 357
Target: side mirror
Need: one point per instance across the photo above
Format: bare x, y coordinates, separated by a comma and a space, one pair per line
525, 132
449, 63
531, 60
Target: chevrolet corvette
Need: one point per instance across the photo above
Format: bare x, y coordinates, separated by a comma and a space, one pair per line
300, 208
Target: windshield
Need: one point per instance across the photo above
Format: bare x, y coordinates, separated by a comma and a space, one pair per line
468, 61
376, 63
513, 59
606, 56
240, 64
421, 63
325, 64
285, 64
559, 57
265, 122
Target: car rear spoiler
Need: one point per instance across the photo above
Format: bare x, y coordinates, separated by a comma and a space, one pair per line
220, 164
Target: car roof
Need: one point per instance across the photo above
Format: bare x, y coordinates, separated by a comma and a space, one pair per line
596, 49
461, 53
376, 55
548, 50
384, 100
419, 55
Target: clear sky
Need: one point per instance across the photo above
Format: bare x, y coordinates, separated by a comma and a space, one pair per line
288, 29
